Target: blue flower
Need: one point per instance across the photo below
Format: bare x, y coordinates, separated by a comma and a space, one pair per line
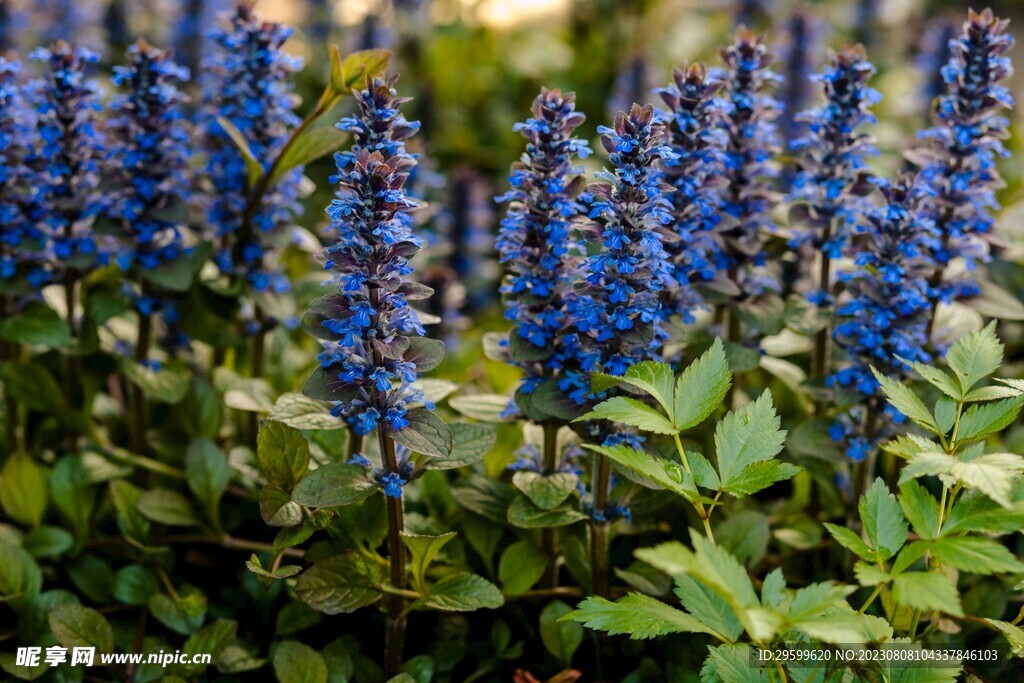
535, 240
616, 306
149, 156
958, 159
933, 55
23, 267
67, 159
373, 348
832, 176
695, 135
247, 80
751, 148
883, 316
391, 483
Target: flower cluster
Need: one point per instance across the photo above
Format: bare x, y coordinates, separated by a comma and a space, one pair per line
885, 313
375, 347
959, 157
535, 241
150, 154
832, 178
751, 148
391, 483
694, 133
20, 238
617, 309
68, 158
247, 81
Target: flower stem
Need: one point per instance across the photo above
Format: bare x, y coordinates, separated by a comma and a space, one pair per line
599, 529
259, 342
819, 363
395, 641
138, 400
549, 540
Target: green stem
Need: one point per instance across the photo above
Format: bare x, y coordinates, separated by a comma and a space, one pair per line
819, 362
258, 359
549, 540
599, 529
702, 512
871, 598
395, 641
138, 400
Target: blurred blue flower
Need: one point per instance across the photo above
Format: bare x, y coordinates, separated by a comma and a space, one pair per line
958, 158
248, 81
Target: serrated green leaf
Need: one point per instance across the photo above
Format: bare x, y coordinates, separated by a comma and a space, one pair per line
920, 508
992, 473
656, 379
927, 591
940, 379
746, 436
669, 474
1013, 634
701, 387
851, 541
975, 356
978, 421
760, 476
973, 511
903, 399
711, 610
636, 615
976, 555
463, 592
731, 664
630, 411
470, 443
883, 520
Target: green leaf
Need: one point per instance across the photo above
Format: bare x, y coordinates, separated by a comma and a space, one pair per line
470, 443
979, 421
711, 610
702, 387
20, 576
992, 473
484, 407
277, 508
314, 143
208, 472
975, 356
976, 555
210, 639
520, 567
135, 585
636, 615
72, 494
426, 354
630, 411
651, 377
340, 584
485, 497
78, 626
166, 385
669, 474
130, 519
267, 578
334, 484
48, 541
301, 412
350, 72
840, 624
903, 399
283, 453
921, 509
939, 379
36, 324
525, 515
426, 434
746, 436
167, 507
422, 551
851, 541
731, 664
760, 476
1013, 634
883, 520
991, 393
463, 592
297, 663
545, 491
32, 384
869, 574
927, 591
974, 511
709, 564
560, 638
23, 494
252, 164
